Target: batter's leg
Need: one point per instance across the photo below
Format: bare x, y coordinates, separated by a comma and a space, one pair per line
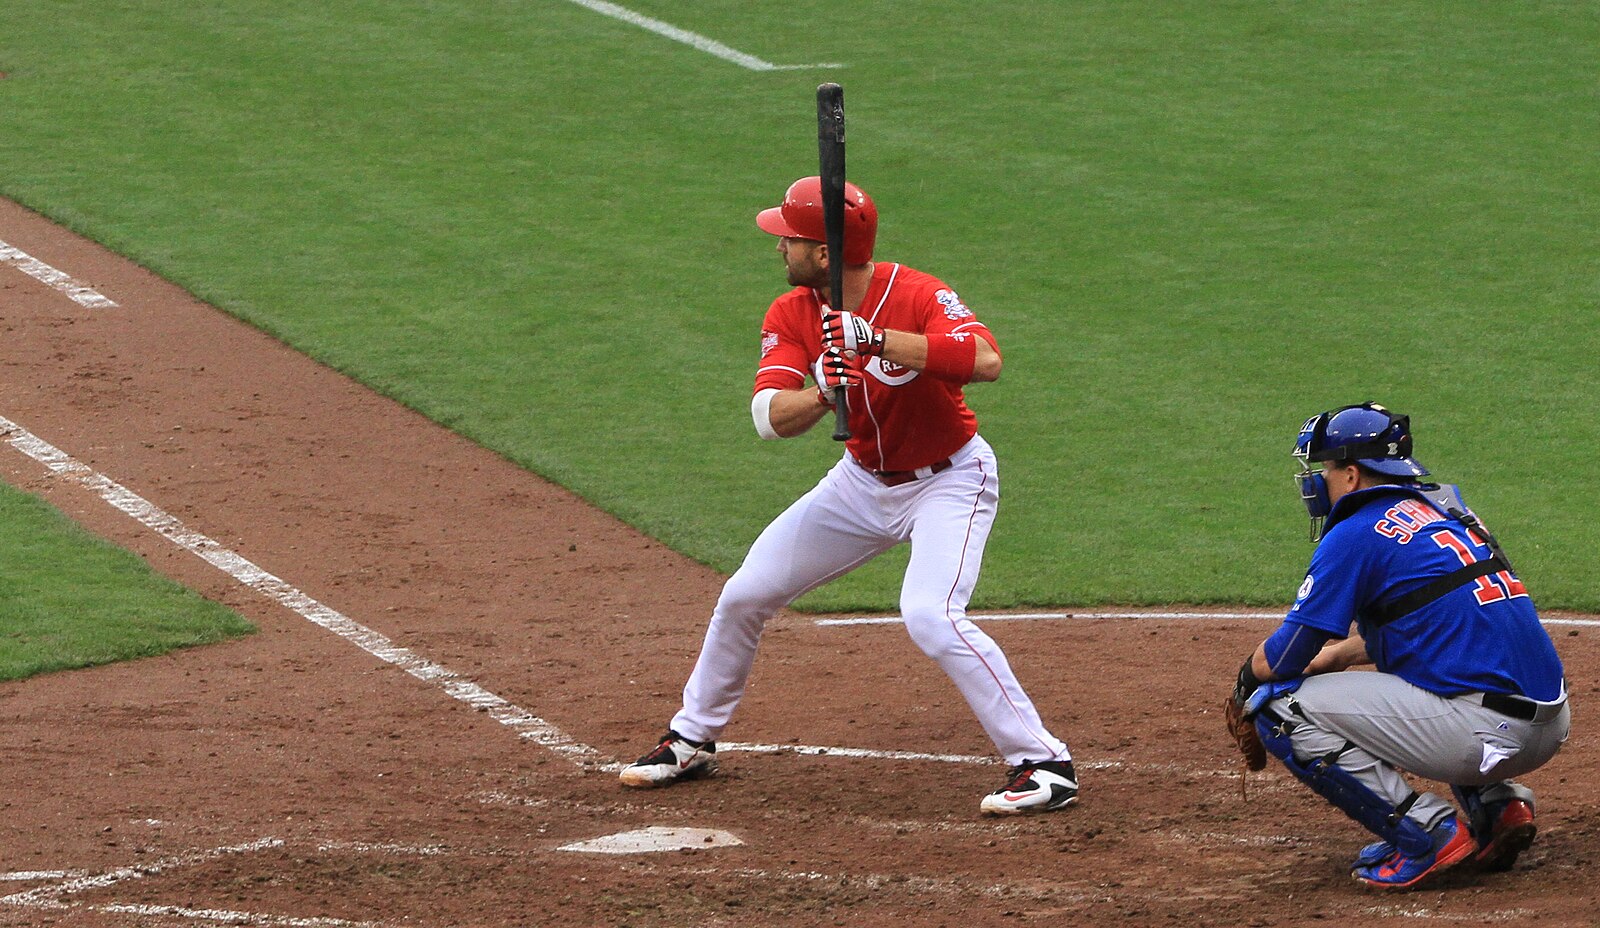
950, 525
823, 535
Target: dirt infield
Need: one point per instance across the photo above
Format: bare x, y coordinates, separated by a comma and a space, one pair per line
489, 647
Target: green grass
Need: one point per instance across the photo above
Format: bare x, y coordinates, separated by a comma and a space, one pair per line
1191, 224
70, 600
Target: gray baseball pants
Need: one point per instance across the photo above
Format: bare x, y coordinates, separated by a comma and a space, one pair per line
1391, 725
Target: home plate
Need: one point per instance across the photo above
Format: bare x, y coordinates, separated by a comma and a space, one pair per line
653, 840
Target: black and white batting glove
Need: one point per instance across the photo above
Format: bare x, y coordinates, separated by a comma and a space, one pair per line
850, 332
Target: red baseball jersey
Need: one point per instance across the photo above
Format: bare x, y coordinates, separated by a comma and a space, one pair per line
900, 419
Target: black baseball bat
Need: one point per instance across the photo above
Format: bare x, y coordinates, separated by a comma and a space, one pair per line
830, 156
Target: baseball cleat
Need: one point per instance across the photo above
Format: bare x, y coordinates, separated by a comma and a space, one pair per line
1452, 844
1373, 854
1510, 833
675, 758
1034, 786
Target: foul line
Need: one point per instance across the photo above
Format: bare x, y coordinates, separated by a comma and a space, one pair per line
77, 291
693, 39
527, 725
1153, 615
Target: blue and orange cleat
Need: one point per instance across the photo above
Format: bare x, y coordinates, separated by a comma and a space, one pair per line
1452, 844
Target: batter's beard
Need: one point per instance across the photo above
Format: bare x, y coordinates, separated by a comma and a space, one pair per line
816, 280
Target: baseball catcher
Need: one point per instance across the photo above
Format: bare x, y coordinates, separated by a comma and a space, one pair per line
1468, 689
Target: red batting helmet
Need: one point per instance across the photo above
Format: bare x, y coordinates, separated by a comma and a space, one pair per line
800, 216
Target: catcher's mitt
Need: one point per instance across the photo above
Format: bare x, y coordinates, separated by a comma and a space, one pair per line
1244, 735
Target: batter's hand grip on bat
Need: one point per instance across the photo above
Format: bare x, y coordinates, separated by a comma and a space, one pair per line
841, 413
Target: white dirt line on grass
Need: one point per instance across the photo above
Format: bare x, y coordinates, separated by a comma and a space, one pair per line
692, 39
76, 290
527, 725
49, 897
229, 917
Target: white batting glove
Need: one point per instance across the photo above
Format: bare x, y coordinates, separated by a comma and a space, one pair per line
850, 332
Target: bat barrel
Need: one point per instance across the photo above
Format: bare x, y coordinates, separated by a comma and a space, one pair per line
830, 160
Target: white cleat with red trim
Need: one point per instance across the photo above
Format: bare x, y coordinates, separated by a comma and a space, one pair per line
675, 758
1034, 786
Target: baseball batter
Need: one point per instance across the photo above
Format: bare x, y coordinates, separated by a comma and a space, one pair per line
1468, 689
902, 345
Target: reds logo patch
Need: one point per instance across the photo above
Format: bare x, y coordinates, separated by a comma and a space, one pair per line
769, 341
889, 372
953, 307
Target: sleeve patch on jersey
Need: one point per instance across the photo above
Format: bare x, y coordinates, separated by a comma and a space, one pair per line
1305, 590
953, 307
769, 341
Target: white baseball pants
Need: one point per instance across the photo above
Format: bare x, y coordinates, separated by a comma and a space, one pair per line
846, 520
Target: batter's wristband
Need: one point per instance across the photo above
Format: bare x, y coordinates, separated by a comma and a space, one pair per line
951, 357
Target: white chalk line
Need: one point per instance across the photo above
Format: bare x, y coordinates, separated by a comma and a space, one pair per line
1156, 615
367, 847
1056, 616
49, 897
822, 750
1417, 911
230, 917
25, 876
692, 39
527, 725
77, 291
78, 881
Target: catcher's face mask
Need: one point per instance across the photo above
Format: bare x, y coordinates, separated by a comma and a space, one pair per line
1365, 434
1313, 486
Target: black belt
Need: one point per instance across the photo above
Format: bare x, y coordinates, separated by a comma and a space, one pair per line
894, 478
1521, 707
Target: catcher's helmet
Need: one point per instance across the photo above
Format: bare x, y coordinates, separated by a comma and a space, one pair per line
800, 216
1366, 434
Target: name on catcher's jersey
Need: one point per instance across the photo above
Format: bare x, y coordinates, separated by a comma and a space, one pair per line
900, 419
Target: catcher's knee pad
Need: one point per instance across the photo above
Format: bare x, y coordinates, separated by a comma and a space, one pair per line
1337, 785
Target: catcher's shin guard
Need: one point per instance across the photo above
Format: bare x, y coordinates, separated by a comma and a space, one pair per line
1337, 785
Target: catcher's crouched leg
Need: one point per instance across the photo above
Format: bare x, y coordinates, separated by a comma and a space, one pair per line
1278, 720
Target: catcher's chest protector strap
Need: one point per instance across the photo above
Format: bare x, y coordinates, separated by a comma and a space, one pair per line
1448, 500
1407, 603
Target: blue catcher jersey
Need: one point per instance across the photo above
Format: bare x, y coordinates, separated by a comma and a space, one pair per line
1483, 636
